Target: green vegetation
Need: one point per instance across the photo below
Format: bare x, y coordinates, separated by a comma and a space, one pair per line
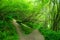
49, 34
7, 31
43, 15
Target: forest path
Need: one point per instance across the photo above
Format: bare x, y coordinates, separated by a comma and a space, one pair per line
35, 35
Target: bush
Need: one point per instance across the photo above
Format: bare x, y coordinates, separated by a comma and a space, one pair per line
26, 30
7, 31
50, 35
32, 25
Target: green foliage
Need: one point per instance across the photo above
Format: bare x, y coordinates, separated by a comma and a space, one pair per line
14, 8
33, 14
33, 25
49, 34
7, 31
26, 30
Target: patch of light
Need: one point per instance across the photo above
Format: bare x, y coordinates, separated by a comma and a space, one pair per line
25, 25
48, 26
14, 20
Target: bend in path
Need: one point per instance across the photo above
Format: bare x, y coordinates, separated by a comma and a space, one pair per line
35, 35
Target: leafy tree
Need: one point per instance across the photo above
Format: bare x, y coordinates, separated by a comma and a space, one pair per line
55, 14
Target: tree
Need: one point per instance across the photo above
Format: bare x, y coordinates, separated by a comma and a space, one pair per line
55, 15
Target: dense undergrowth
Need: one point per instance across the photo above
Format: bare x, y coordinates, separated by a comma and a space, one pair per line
7, 31
26, 30
49, 34
28, 27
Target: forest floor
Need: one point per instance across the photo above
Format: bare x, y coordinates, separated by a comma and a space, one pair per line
35, 35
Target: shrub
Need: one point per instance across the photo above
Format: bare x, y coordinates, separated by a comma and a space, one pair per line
50, 35
7, 31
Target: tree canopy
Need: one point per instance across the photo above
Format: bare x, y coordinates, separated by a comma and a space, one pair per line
30, 13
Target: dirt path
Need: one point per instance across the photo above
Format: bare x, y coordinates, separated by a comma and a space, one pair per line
35, 35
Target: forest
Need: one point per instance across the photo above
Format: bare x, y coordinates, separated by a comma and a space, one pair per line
23, 18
